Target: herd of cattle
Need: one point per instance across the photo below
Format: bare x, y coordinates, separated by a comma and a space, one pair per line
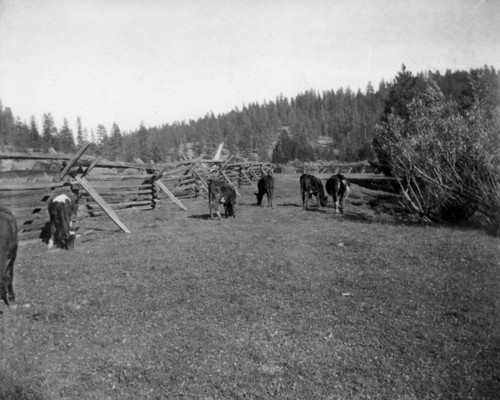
63, 208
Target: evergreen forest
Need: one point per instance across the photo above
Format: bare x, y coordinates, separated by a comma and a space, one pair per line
336, 124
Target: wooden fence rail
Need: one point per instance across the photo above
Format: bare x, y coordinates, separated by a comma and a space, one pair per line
108, 188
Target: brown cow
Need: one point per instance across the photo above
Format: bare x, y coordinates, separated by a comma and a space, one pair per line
221, 192
265, 186
309, 186
8, 253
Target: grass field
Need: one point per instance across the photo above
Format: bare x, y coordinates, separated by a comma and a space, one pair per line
278, 303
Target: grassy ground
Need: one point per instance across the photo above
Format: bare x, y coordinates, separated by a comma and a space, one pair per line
276, 304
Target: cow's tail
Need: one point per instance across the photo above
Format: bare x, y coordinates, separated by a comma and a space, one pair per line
347, 190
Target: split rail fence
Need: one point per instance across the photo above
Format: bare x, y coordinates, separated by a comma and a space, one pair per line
360, 167
109, 188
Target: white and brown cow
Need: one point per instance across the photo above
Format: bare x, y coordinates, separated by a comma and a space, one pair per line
62, 209
338, 187
8, 253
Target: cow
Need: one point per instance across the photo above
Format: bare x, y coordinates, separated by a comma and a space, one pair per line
310, 185
221, 192
62, 208
338, 187
265, 185
8, 253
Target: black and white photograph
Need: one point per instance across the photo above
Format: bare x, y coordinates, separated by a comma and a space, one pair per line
266, 199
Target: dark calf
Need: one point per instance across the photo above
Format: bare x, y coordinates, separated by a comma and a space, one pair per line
309, 186
265, 186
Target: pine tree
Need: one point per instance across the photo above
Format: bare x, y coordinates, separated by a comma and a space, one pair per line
21, 138
141, 150
101, 135
7, 126
92, 136
66, 142
49, 131
80, 139
115, 143
35, 139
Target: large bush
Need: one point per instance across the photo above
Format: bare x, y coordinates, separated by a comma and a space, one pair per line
447, 159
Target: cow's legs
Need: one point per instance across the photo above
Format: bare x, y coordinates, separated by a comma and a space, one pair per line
308, 196
217, 211
6, 289
3, 280
9, 277
52, 234
213, 205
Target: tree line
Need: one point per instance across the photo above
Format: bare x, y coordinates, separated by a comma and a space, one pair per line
330, 125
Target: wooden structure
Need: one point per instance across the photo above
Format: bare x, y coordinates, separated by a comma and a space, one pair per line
110, 188
359, 167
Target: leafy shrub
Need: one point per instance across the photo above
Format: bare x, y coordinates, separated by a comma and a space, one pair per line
446, 160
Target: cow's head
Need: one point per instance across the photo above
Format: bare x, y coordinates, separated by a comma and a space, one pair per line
323, 200
3, 294
259, 197
65, 240
229, 209
70, 241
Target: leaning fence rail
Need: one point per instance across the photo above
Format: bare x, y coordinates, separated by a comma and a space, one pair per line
110, 187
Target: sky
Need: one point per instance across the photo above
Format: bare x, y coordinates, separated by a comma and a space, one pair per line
163, 61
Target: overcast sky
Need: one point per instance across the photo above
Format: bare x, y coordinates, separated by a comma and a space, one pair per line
160, 61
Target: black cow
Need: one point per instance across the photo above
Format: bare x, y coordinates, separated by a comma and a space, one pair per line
265, 186
338, 187
8, 253
62, 208
310, 185
221, 192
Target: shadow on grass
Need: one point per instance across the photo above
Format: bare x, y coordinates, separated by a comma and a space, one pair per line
203, 216
289, 205
357, 217
11, 390
398, 219
318, 210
